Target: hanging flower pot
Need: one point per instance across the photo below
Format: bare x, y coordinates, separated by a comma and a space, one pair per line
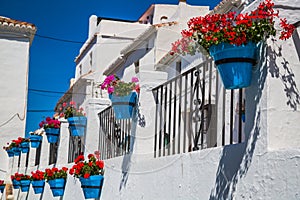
16, 150
230, 38
16, 184
24, 185
24, 147
52, 129
92, 186
123, 105
234, 63
52, 134
10, 152
77, 125
35, 140
57, 186
38, 186
2, 188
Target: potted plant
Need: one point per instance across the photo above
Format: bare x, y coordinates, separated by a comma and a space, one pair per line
52, 129
21, 180
36, 138
2, 186
24, 144
90, 174
38, 181
13, 148
75, 116
232, 40
9, 150
122, 95
15, 180
56, 178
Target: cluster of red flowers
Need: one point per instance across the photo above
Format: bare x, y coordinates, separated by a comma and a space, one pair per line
85, 169
70, 110
55, 173
38, 175
19, 177
2, 182
50, 123
232, 28
16, 143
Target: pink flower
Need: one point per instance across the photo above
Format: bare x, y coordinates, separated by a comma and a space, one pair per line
103, 85
134, 79
110, 78
72, 103
110, 90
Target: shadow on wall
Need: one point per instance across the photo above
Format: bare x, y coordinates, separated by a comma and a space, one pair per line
126, 163
287, 77
235, 160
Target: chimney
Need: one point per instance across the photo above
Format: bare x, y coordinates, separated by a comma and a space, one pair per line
92, 25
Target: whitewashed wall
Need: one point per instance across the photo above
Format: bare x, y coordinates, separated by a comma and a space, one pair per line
14, 56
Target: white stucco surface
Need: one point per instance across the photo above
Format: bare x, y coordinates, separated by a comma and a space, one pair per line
14, 56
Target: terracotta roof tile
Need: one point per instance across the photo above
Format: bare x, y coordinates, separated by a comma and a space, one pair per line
16, 23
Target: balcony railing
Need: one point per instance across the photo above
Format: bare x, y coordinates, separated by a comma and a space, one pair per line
193, 111
114, 135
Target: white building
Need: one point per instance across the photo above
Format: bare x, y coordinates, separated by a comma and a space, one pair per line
189, 141
15, 40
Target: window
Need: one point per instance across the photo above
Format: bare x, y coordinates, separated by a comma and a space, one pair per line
75, 147
80, 70
137, 66
53, 153
38, 154
178, 67
91, 59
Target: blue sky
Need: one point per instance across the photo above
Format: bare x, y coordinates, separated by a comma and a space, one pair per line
52, 61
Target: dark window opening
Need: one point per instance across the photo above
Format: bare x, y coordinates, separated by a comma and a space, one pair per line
53, 153
75, 148
178, 67
38, 155
137, 66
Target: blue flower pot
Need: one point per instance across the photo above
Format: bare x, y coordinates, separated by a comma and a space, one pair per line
24, 147
10, 153
16, 184
16, 150
52, 134
57, 186
77, 125
92, 186
234, 63
35, 140
24, 185
2, 188
38, 186
123, 105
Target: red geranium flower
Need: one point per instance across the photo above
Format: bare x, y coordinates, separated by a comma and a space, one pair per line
88, 168
231, 28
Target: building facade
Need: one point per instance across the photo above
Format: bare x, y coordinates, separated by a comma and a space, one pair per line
15, 40
188, 139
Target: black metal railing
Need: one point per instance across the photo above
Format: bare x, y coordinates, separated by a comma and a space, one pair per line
191, 114
76, 147
114, 135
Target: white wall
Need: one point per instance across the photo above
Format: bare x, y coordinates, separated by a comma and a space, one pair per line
14, 56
